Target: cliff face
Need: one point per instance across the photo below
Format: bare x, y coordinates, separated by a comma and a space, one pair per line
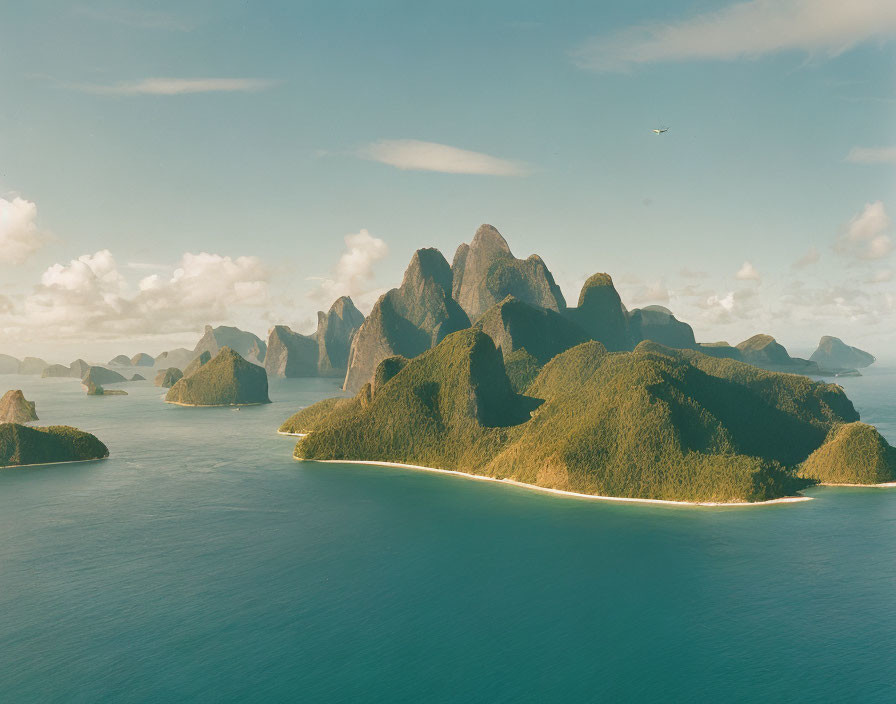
407, 320
833, 353
660, 325
246, 344
226, 380
14, 408
485, 272
290, 354
600, 313
168, 377
335, 330
78, 368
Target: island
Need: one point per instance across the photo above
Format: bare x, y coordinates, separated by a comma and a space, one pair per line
167, 378
654, 423
15, 408
833, 353
225, 380
21, 445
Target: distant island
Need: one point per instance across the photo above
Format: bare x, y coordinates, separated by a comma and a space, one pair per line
225, 380
654, 423
15, 408
22, 445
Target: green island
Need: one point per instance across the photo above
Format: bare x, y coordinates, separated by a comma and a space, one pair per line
653, 423
23, 445
225, 380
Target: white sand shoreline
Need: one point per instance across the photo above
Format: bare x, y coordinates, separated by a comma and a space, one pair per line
569, 494
295, 435
884, 485
217, 405
50, 464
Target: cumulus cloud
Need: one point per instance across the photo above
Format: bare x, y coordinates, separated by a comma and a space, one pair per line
872, 155
812, 256
90, 297
181, 86
747, 272
353, 272
866, 234
414, 155
19, 236
734, 305
745, 29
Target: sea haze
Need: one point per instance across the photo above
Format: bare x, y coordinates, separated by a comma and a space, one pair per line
202, 563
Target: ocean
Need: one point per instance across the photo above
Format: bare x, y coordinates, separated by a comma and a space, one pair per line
202, 563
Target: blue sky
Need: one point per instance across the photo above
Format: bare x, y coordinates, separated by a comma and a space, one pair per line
264, 134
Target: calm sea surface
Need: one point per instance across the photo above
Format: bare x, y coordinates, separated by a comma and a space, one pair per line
201, 563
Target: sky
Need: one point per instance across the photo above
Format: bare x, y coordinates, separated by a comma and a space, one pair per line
167, 165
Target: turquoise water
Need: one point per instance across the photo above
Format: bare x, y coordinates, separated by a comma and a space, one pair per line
201, 563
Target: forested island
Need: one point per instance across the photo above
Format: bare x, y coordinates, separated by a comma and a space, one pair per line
654, 423
23, 445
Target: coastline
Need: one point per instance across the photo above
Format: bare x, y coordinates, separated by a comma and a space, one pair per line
216, 405
884, 485
50, 464
295, 435
568, 494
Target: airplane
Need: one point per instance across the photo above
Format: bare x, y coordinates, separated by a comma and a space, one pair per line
661, 130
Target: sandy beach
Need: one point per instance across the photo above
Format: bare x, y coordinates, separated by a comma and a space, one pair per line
50, 464
569, 494
885, 485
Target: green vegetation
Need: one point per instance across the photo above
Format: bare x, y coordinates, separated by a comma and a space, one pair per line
22, 445
854, 453
657, 324
600, 313
201, 359
407, 320
226, 380
168, 377
653, 423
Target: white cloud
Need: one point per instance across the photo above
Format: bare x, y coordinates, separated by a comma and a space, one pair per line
745, 29
812, 256
734, 305
414, 155
90, 298
181, 86
747, 272
19, 236
354, 270
865, 236
872, 155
